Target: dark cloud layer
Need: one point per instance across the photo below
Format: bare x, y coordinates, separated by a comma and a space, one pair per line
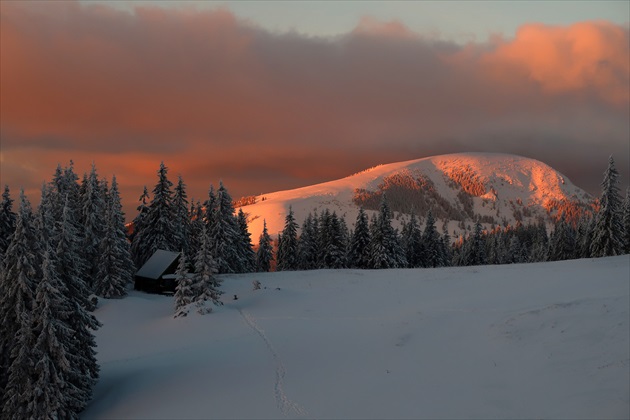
219, 98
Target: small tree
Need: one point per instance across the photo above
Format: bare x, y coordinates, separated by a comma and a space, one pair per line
264, 255
287, 245
206, 284
359, 255
185, 290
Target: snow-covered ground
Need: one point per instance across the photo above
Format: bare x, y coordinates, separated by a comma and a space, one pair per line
547, 340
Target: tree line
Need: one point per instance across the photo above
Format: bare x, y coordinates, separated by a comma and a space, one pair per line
326, 242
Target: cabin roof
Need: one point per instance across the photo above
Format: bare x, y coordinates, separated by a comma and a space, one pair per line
159, 262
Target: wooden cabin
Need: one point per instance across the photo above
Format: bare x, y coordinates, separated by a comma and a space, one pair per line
157, 275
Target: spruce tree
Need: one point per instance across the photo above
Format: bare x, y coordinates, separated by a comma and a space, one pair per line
93, 220
264, 254
562, 244
205, 282
7, 221
626, 221
158, 228
138, 226
182, 219
52, 337
18, 279
447, 255
224, 234
185, 290
608, 231
336, 243
475, 252
385, 249
46, 215
115, 268
245, 249
358, 255
81, 350
196, 227
432, 243
287, 245
308, 245
412, 242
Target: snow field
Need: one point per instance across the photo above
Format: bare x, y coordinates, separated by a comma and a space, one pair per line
548, 340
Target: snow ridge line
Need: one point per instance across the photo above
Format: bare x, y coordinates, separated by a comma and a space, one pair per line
285, 405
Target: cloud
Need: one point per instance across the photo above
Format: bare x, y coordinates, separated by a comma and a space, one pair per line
218, 97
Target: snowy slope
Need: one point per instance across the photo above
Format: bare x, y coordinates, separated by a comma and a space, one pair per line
510, 183
547, 340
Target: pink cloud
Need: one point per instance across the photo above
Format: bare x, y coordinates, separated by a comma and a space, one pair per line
219, 98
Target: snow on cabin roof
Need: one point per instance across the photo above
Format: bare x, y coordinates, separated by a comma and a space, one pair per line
157, 264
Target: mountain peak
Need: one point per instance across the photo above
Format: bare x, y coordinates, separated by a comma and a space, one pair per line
495, 188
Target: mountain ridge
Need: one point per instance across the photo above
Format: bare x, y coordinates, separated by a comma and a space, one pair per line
495, 188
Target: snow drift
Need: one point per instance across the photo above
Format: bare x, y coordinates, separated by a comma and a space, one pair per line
548, 340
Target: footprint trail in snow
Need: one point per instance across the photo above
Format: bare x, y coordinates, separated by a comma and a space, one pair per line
285, 405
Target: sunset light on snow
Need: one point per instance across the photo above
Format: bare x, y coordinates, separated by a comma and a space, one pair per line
217, 96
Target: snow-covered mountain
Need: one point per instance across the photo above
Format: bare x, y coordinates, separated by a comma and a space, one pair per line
498, 188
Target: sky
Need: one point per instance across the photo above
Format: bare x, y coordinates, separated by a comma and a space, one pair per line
275, 95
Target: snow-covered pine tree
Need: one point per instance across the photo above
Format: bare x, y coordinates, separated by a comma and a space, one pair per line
81, 351
196, 226
336, 244
182, 217
184, 290
540, 243
626, 221
385, 249
210, 206
18, 279
412, 243
138, 226
45, 217
245, 249
562, 245
205, 282
608, 230
264, 254
447, 255
307, 245
19, 388
287, 245
50, 398
584, 236
115, 268
7, 221
158, 228
515, 250
93, 217
475, 253
358, 255
432, 243
224, 234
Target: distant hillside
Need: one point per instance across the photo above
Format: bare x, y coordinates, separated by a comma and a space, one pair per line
496, 188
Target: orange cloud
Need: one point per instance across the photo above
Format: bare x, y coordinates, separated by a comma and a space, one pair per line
219, 98
592, 56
